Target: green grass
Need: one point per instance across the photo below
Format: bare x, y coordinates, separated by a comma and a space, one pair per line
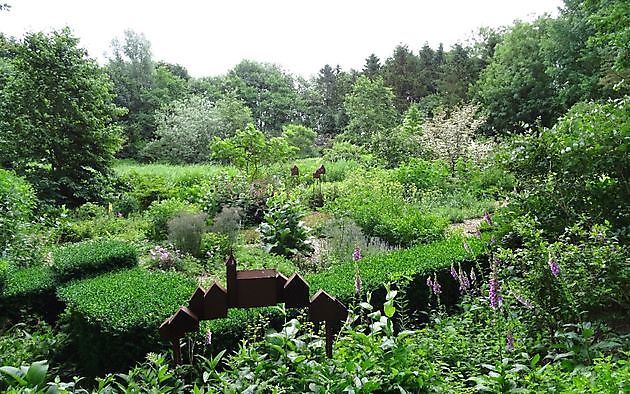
172, 172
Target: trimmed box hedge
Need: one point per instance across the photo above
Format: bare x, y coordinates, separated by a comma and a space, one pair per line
92, 257
114, 318
415, 263
29, 290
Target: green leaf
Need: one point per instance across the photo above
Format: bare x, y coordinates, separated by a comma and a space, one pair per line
389, 310
36, 374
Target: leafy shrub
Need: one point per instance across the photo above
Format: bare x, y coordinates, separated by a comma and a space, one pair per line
146, 187
126, 203
423, 174
17, 201
89, 210
301, 137
228, 224
283, 232
29, 291
114, 317
4, 269
28, 282
185, 231
578, 167
215, 246
585, 269
24, 343
160, 212
378, 205
345, 151
92, 257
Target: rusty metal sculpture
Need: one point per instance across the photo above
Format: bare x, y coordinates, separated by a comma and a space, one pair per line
249, 289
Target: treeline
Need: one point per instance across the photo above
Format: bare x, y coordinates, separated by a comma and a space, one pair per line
63, 118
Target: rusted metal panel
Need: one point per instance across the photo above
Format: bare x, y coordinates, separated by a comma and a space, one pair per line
195, 304
255, 274
281, 280
230, 268
323, 307
215, 302
296, 292
255, 292
183, 322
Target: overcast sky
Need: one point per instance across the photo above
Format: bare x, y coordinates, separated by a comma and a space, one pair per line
210, 37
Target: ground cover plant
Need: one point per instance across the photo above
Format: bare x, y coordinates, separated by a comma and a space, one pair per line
469, 205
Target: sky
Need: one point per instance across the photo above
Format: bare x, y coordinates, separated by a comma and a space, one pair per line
210, 37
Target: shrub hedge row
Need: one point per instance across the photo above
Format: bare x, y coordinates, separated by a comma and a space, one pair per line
92, 257
415, 263
29, 290
114, 318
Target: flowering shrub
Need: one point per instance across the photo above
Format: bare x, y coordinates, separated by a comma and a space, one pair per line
585, 270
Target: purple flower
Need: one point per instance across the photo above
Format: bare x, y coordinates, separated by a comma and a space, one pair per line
356, 254
487, 218
464, 283
478, 233
208, 337
553, 266
437, 289
494, 295
524, 302
429, 282
509, 342
467, 247
454, 273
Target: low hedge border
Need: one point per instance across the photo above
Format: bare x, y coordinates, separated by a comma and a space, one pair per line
413, 263
29, 290
89, 258
114, 318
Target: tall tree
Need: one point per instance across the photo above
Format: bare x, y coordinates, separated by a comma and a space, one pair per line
56, 112
325, 101
400, 72
372, 68
132, 70
268, 91
370, 108
457, 73
515, 88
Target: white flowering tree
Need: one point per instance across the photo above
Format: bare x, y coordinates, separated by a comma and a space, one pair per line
450, 135
186, 127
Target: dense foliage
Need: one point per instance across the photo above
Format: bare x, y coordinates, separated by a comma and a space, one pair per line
469, 205
92, 257
56, 117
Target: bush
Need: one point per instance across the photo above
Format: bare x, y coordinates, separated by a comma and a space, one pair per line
126, 204
17, 201
283, 232
4, 269
114, 317
185, 231
92, 257
27, 291
378, 205
160, 212
577, 168
215, 246
423, 174
592, 272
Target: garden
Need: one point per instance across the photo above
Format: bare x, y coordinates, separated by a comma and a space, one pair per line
479, 244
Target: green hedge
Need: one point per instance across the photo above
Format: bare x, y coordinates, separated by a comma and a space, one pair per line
29, 290
92, 257
114, 318
415, 263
